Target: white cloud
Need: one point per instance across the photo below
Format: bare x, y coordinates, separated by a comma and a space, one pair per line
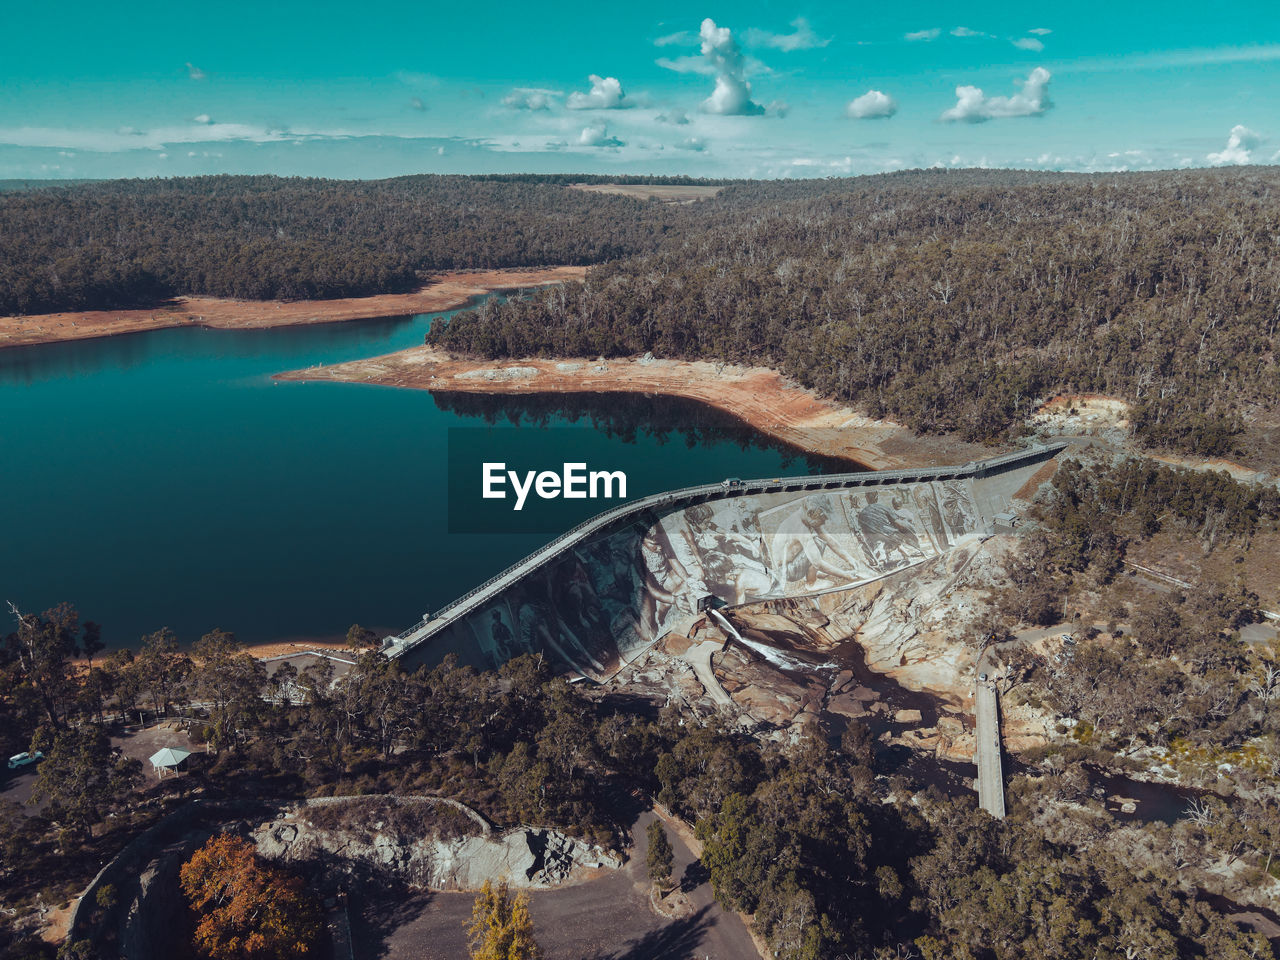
1028, 43
203, 118
802, 39
597, 135
681, 38
530, 98
931, 34
779, 108
157, 138
605, 94
871, 105
679, 118
690, 63
417, 104
732, 94
966, 32
1239, 147
1042, 31
1031, 101
194, 72
696, 144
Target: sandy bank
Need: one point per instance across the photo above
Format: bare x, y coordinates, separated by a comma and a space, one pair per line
758, 396
446, 291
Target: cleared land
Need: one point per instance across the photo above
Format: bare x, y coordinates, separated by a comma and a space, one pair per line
666, 192
446, 291
760, 397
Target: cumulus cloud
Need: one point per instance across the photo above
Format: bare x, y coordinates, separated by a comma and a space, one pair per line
1028, 43
931, 34
605, 94
803, 38
1239, 149
203, 118
597, 135
679, 118
1031, 101
696, 144
732, 94
194, 72
966, 32
1041, 31
871, 105
530, 98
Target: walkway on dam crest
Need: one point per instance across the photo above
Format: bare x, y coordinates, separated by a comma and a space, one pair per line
658, 505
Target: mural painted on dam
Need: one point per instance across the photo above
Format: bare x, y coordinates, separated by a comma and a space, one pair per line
607, 600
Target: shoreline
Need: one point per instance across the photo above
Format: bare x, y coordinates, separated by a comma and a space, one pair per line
760, 397
446, 291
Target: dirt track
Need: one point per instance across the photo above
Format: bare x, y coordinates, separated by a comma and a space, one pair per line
760, 397
446, 291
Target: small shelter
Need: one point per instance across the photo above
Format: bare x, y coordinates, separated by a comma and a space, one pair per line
168, 758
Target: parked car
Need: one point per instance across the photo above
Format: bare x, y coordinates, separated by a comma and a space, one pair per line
1068, 638
19, 760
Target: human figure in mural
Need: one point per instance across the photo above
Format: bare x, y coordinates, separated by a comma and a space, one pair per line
803, 548
730, 561
668, 585
925, 496
500, 637
540, 629
888, 532
956, 509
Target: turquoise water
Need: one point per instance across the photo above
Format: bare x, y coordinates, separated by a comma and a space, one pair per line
164, 479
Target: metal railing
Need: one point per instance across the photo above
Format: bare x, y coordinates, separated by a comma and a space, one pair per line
406, 640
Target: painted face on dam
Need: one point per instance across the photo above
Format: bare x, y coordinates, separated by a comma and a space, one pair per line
609, 599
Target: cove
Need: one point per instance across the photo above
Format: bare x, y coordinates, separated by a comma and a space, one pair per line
164, 479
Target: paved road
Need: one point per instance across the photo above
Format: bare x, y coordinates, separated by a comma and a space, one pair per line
607, 918
987, 752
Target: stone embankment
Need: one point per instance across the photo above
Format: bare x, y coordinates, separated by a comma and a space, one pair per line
460, 857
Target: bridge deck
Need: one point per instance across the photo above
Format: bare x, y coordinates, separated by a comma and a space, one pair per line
662, 503
986, 752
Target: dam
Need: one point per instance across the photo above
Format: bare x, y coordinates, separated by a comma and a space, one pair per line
603, 593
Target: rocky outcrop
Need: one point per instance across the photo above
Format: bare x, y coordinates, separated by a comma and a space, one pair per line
526, 857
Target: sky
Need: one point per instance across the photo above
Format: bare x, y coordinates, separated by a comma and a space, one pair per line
744, 89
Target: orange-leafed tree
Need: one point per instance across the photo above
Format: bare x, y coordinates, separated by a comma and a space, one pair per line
247, 908
501, 928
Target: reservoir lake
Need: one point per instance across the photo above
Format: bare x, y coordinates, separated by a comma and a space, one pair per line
165, 479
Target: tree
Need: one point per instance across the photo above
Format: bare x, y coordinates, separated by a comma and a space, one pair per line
359, 638
161, 667
500, 927
43, 649
660, 857
82, 775
247, 908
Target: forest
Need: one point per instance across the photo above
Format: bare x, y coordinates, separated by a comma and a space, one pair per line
127, 243
947, 300
954, 301
831, 856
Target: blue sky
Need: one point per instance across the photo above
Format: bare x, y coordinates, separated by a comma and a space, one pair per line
713, 89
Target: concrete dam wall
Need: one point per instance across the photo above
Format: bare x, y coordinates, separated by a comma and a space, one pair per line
601, 599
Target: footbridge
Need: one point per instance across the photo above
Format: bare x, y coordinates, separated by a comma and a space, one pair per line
597, 613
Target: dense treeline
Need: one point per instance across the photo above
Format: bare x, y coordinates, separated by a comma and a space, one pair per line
134, 242
1173, 670
954, 302
833, 859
